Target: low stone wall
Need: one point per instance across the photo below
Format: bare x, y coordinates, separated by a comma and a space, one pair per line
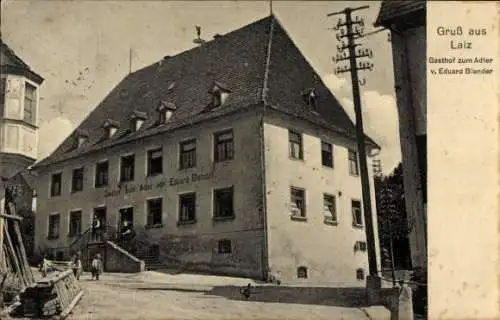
119, 260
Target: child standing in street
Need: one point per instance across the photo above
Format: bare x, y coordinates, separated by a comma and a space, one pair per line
96, 267
77, 266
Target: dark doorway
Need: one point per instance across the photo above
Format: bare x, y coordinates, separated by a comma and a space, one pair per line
127, 216
98, 223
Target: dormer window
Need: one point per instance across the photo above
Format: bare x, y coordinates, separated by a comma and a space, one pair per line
137, 118
165, 111
81, 137
219, 93
310, 98
110, 127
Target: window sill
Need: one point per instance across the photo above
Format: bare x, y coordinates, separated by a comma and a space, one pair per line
187, 222
327, 167
76, 191
331, 222
154, 226
228, 218
357, 226
354, 175
127, 181
152, 175
298, 218
296, 159
52, 237
100, 186
55, 195
224, 160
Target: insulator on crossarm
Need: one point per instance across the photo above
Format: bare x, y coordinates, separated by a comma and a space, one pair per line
362, 82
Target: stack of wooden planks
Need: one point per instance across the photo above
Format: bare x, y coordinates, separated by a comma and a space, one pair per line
53, 297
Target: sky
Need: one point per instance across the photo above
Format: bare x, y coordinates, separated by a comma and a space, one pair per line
83, 49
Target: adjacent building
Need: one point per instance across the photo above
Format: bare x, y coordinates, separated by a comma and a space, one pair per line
19, 100
406, 21
232, 157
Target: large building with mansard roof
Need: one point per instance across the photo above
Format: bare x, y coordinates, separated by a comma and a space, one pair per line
232, 157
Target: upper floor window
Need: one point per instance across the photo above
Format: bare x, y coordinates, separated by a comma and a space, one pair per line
223, 203
187, 155
127, 168
54, 226
326, 154
55, 185
224, 146
219, 95
29, 103
353, 162
329, 208
310, 98
295, 145
357, 216
101, 174
187, 208
155, 162
137, 118
298, 202
165, 111
77, 180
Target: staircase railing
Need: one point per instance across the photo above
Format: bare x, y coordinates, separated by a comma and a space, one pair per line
89, 236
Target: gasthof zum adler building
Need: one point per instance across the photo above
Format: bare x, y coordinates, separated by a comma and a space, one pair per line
230, 158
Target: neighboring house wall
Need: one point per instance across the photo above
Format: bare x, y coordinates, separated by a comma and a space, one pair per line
327, 250
18, 138
409, 52
193, 244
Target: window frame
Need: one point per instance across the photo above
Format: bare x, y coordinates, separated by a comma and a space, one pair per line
97, 180
192, 220
330, 154
52, 190
185, 155
332, 218
352, 172
32, 103
302, 270
224, 246
302, 208
227, 146
150, 218
292, 143
123, 173
50, 235
78, 232
354, 218
216, 206
73, 184
150, 159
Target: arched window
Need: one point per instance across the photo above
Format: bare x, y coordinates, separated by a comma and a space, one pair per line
302, 272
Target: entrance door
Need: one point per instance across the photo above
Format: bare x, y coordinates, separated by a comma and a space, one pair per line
99, 223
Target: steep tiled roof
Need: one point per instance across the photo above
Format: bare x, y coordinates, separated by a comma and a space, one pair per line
393, 9
239, 60
11, 62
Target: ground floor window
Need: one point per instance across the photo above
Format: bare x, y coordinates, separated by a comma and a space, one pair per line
154, 212
224, 246
302, 272
360, 274
357, 217
187, 208
223, 203
54, 226
75, 223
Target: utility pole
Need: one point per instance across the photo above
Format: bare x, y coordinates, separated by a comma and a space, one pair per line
353, 31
